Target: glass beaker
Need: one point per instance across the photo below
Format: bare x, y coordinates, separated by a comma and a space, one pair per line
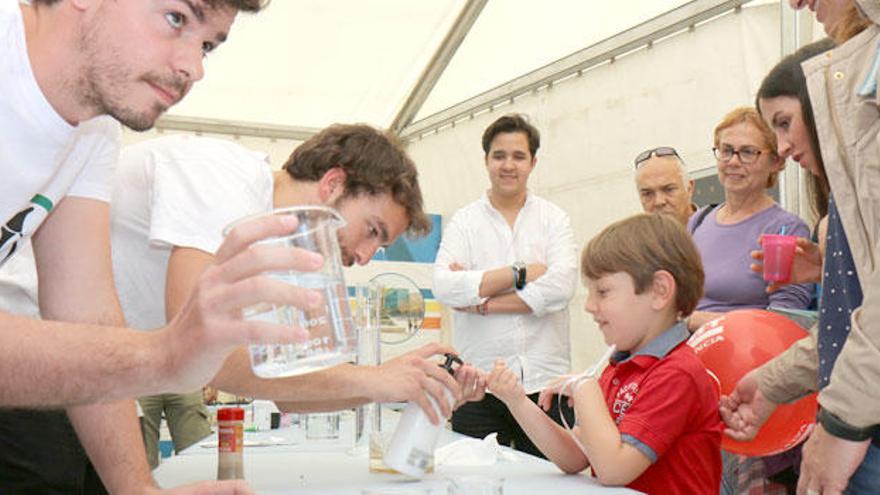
331, 335
366, 304
322, 426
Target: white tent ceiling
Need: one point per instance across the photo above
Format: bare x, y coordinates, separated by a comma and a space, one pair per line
513, 37
309, 63
313, 62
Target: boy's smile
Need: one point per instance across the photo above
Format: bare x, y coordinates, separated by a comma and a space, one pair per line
626, 319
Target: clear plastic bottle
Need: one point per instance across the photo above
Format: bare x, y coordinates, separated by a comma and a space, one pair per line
230, 444
411, 450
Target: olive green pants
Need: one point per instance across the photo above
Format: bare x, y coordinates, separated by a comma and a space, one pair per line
187, 419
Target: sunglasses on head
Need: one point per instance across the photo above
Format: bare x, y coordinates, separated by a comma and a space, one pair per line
661, 151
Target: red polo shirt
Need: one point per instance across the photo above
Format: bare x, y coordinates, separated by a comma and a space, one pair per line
666, 405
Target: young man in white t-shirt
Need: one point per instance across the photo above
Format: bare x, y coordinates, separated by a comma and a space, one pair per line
173, 196
65, 64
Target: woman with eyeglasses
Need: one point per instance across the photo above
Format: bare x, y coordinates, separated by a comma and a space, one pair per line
748, 165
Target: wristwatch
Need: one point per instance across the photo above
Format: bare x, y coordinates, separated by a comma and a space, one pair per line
519, 275
838, 428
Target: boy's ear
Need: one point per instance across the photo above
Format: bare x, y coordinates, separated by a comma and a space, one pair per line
663, 290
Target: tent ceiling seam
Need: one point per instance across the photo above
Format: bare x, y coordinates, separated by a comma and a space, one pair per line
201, 125
680, 19
438, 64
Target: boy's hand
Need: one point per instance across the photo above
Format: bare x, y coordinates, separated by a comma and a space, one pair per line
548, 394
504, 384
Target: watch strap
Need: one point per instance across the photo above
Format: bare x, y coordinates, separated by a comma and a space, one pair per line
520, 271
841, 429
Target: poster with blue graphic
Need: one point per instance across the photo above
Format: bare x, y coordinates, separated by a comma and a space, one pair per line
412, 249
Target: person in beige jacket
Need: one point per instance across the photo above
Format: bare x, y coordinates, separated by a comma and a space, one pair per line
843, 452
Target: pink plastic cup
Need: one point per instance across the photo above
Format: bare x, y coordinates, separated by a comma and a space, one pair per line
778, 256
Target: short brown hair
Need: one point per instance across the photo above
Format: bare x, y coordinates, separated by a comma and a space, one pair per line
640, 246
240, 5
749, 115
374, 162
513, 122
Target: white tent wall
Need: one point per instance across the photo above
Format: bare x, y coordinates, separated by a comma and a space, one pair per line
593, 125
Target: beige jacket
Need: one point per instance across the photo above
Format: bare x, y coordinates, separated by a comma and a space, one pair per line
848, 126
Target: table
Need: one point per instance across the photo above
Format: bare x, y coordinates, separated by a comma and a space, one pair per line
327, 467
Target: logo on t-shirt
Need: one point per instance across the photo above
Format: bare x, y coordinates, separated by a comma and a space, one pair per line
22, 225
624, 398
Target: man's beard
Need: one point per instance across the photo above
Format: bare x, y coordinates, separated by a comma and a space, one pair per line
100, 79
133, 120
347, 258
117, 108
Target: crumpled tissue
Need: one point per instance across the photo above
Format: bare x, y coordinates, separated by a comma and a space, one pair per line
472, 452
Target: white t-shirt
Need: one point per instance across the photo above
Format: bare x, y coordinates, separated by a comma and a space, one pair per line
42, 158
177, 191
18, 283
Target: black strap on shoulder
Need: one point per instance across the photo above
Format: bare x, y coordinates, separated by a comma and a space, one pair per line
702, 216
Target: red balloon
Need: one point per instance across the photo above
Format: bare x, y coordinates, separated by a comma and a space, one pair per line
739, 341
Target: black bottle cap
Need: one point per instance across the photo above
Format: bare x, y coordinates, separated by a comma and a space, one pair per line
450, 360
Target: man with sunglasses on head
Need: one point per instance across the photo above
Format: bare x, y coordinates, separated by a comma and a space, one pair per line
663, 184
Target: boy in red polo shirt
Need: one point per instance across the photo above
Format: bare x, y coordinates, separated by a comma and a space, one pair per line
651, 421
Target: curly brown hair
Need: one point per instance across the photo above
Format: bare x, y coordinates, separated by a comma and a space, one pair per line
374, 162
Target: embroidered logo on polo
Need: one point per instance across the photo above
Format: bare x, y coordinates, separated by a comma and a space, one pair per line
624, 398
22, 225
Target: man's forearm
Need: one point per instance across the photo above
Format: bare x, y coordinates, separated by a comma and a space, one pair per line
343, 385
507, 303
111, 436
62, 364
496, 281
414, 376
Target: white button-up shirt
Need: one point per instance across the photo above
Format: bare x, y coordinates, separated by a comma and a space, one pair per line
535, 345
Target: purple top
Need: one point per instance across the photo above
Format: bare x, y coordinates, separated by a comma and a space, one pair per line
730, 284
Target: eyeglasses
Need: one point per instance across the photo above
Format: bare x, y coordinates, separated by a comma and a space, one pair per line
747, 154
661, 151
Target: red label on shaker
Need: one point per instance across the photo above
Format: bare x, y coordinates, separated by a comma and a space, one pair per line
230, 438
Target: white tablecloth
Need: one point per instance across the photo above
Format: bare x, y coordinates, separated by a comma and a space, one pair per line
300, 466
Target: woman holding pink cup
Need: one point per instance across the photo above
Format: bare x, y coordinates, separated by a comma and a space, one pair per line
748, 166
